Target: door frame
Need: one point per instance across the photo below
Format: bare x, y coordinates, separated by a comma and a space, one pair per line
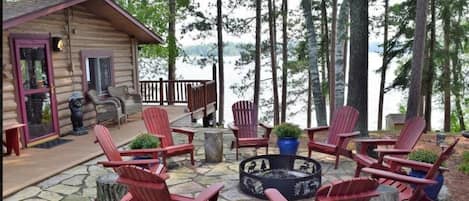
21, 40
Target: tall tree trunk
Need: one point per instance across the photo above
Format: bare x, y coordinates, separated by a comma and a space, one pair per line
273, 60
418, 51
308, 109
257, 70
325, 46
430, 70
221, 79
172, 49
457, 85
384, 67
332, 65
358, 74
320, 106
284, 59
340, 53
446, 68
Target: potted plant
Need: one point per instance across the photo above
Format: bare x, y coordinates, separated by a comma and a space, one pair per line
430, 157
288, 134
144, 141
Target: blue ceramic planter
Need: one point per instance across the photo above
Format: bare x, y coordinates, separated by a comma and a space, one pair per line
288, 145
433, 190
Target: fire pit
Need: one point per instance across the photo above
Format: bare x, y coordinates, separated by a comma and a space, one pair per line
296, 177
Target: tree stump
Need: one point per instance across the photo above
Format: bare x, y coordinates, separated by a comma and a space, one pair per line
108, 189
213, 146
387, 193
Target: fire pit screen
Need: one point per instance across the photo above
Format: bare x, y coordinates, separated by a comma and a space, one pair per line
296, 177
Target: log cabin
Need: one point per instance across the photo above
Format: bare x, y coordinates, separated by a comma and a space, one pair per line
52, 48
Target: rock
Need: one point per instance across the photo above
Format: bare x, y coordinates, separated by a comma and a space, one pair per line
236, 194
74, 198
63, 189
444, 194
90, 181
54, 180
51, 196
89, 192
189, 187
213, 146
386, 193
82, 169
74, 181
34, 199
25, 193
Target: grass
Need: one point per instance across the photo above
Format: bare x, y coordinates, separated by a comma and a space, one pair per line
464, 166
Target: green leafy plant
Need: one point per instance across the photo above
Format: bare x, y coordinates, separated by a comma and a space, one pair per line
464, 166
287, 130
145, 141
423, 155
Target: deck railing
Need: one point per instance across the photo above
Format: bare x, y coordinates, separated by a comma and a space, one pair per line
196, 93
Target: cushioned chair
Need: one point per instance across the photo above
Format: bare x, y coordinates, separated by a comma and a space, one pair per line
107, 108
130, 100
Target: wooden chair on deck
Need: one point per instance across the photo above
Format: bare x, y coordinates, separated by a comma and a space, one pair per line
342, 124
403, 182
157, 122
408, 137
103, 137
244, 127
356, 189
143, 185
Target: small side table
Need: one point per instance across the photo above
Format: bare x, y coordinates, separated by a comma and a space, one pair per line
12, 133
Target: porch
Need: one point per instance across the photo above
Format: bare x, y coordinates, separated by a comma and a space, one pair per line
37, 164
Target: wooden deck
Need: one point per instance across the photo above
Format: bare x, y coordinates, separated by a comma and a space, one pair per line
36, 164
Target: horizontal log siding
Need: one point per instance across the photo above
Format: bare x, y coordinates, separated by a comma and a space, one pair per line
88, 32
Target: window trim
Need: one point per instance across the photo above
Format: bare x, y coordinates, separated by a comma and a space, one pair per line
85, 54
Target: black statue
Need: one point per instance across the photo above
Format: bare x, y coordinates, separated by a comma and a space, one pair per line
75, 103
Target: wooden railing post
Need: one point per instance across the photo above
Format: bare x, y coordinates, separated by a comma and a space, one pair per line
189, 97
161, 91
205, 97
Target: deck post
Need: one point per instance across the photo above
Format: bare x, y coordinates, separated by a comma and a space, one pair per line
205, 97
161, 91
189, 97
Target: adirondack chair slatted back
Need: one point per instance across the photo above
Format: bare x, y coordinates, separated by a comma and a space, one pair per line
105, 141
157, 122
359, 189
245, 118
343, 121
411, 133
444, 155
142, 184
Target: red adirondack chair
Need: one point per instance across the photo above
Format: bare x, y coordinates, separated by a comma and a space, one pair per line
342, 124
356, 189
157, 122
103, 137
244, 127
403, 182
408, 137
143, 185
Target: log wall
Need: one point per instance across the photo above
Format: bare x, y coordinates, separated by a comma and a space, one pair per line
87, 31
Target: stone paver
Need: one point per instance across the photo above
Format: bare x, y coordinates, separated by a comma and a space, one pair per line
79, 183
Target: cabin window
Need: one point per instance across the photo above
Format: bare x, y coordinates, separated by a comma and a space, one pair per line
98, 71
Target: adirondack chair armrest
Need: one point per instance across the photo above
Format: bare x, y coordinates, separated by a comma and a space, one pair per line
311, 131
209, 193
347, 135
365, 143
412, 164
131, 162
376, 173
274, 195
383, 152
235, 130
268, 129
136, 152
188, 132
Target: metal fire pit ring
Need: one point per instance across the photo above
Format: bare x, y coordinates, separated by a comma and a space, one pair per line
296, 177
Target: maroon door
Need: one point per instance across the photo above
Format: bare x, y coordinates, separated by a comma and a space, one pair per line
36, 89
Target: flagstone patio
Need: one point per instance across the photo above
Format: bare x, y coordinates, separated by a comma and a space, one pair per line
79, 182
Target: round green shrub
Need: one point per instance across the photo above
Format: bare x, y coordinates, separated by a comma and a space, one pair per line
145, 141
422, 155
287, 130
